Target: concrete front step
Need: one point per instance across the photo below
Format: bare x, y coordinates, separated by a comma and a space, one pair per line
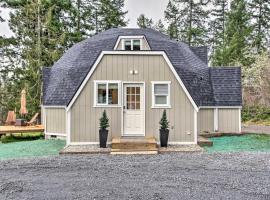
134, 144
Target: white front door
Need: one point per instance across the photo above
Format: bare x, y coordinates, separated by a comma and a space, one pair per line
133, 109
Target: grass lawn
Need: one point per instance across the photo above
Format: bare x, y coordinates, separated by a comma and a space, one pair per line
248, 143
31, 148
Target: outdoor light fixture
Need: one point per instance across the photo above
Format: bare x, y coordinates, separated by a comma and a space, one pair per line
133, 72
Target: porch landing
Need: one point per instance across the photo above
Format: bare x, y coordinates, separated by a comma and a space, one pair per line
134, 145
130, 146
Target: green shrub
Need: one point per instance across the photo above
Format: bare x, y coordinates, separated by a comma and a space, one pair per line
255, 113
21, 137
164, 123
104, 121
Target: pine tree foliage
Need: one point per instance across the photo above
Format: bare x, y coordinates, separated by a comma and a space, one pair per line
164, 123
111, 14
217, 24
171, 17
235, 49
188, 21
260, 11
144, 22
104, 121
43, 30
159, 26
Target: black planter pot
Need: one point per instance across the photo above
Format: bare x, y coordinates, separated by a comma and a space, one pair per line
103, 136
163, 137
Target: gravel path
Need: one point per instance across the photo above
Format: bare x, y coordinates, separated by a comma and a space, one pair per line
168, 176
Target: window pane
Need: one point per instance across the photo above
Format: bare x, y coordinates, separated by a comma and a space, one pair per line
136, 45
128, 45
138, 98
137, 90
138, 106
161, 89
102, 93
161, 100
113, 93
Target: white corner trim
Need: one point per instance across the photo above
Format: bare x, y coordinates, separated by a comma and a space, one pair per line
131, 53
240, 121
195, 127
57, 134
216, 119
141, 37
68, 128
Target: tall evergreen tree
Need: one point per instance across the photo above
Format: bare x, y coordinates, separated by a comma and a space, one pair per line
217, 25
190, 21
144, 22
112, 14
235, 49
172, 17
260, 11
159, 26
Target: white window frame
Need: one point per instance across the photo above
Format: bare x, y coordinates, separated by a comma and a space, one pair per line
132, 41
168, 105
107, 82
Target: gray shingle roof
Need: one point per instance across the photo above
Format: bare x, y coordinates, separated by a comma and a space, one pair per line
226, 85
67, 74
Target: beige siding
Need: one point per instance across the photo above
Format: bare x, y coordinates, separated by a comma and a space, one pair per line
206, 120
55, 120
84, 117
228, 120
145, 45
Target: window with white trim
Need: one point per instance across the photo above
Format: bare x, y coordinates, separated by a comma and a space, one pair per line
161, 94
107, 93
132, 44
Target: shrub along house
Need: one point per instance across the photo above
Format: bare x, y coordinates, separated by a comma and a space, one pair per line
134, 74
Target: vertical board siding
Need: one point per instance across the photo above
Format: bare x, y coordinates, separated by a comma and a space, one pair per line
206, 120
228, 120
85, 117
55, 120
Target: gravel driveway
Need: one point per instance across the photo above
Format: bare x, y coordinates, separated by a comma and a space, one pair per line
169, 176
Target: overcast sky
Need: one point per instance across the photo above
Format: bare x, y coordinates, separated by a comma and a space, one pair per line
151, 8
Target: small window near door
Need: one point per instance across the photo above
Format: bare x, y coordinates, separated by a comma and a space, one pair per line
107, 93
160, 94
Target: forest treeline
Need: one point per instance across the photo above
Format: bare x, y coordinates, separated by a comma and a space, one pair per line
237, 33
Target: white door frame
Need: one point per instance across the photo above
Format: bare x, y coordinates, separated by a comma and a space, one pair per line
122, 108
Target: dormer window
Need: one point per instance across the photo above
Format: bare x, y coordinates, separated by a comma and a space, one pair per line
132, 44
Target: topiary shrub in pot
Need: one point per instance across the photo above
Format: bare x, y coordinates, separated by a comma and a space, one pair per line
164, 130
103, 132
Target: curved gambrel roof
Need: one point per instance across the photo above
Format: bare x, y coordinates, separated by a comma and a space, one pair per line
65, 77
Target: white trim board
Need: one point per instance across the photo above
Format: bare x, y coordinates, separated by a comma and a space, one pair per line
131, 53
57, 134
141, 37
232, 107
44, 106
